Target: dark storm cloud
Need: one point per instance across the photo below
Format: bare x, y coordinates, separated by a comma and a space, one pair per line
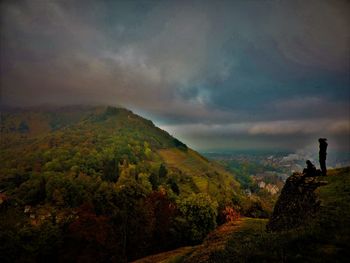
247, 68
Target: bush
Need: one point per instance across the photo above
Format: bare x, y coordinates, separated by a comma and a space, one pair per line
198, 217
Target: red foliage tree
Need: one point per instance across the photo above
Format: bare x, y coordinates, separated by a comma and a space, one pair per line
229, 214
164, 211
94, 236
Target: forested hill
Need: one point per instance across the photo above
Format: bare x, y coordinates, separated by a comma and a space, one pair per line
102, 184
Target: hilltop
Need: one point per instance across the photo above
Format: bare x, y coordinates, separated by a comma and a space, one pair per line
88, 183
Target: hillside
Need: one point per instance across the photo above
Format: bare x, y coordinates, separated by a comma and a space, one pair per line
323, 238
105, 134
86, 183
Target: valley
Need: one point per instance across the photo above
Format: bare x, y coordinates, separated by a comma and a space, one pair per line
93, 184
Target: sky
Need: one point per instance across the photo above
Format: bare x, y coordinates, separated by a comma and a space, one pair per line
218, 75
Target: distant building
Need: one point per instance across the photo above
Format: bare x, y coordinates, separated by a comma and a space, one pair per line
261, 184
272, 189
248, 192
27, 209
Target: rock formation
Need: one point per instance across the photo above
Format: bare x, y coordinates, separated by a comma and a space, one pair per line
297, 201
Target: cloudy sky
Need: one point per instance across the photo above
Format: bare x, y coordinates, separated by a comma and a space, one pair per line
216, 74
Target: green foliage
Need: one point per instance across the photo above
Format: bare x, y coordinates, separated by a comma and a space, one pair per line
30, 244
243, 170
198, 216
65, 191
180, 145
94, 182
173, 185
162, 171
23, 127
257, 209
110, 170
324, 238
154, 180
32, 191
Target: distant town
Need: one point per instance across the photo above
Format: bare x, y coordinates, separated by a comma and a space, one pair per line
269, 171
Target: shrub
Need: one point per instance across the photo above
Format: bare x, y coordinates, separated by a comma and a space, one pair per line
198, 217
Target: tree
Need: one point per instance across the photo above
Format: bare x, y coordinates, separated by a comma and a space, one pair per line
180, 145
162, 171
198, 216
173, 185
33, 191
154, 180
110, 170
92, 237
164, 212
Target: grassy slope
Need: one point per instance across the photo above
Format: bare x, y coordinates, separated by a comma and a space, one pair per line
326, 238
215, 241
198, 174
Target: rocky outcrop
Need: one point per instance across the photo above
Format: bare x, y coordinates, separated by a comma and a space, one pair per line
297, 202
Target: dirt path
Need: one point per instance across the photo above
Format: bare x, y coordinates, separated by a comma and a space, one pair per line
216, 240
